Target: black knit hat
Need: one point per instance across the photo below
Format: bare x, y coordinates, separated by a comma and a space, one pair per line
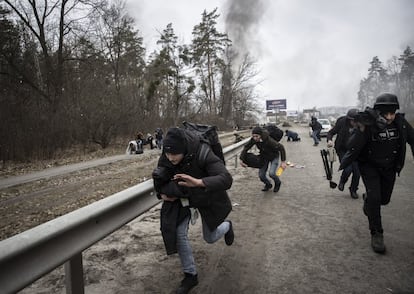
257, 130
174, 142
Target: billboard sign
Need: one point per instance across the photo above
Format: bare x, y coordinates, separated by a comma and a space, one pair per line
276, 104
293, 113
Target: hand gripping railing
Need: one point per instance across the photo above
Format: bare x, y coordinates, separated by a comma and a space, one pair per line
31, 254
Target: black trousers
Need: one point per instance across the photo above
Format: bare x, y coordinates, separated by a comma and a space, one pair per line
379, 183
350, 169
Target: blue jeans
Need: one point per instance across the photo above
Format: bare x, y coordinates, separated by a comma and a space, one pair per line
272, 171
159, 143
183, 244
316, 137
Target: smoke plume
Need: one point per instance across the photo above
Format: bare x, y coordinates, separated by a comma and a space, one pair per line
242, 19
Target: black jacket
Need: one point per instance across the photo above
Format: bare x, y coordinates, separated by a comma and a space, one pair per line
269, 148
315, 125
341, 130
361, 145
212, 201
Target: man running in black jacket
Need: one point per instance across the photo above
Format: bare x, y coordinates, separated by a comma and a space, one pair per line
343, 128
379, 145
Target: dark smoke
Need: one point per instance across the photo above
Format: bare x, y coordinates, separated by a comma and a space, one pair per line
242, 19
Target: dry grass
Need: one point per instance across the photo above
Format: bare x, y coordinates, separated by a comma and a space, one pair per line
73, 155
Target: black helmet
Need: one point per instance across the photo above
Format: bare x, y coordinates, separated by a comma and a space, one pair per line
352, 113
386, 101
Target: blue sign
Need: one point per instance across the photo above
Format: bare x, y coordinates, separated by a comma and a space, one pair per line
276, 104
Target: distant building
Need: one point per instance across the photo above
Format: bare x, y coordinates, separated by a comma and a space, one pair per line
308, 113
275, 117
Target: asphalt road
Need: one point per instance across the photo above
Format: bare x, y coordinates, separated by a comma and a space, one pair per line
307, 238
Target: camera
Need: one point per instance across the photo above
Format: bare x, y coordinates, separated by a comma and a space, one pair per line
371, 117
162, 174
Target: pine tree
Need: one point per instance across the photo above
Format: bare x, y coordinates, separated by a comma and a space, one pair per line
208, 47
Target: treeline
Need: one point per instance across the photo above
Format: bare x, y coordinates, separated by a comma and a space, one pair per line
77, 72
397, 77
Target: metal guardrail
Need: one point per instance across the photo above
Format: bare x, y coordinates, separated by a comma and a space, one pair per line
26, 257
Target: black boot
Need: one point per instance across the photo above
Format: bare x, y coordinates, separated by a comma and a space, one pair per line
229, 236
187, 283
267, 187
277, 187
377, 242
341, 186
354, 194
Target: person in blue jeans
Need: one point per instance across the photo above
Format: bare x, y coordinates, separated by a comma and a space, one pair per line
292, 136
316, 130
269, 150
191, 179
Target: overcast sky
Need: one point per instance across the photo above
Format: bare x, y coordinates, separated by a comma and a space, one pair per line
309, 52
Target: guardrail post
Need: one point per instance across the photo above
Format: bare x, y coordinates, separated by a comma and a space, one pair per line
74, 275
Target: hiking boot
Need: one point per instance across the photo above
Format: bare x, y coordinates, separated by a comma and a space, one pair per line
277, 187
364, 206
267, 187
341, 186
377, 242
187, 283
354, 195
229, 236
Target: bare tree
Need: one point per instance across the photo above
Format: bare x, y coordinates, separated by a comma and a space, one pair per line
238, 88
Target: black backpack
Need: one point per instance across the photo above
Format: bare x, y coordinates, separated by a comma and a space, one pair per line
274, 132
253, 160
208, 134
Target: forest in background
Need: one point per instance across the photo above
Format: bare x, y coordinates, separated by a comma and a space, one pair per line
396, 76
75, 72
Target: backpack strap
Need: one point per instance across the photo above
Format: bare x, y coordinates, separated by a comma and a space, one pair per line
202, 155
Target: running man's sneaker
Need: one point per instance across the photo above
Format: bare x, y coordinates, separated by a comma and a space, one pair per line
187, 283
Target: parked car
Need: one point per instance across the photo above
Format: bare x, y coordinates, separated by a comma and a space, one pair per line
326, 126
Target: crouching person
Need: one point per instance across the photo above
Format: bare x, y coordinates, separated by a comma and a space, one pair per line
292, 136
189, 177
